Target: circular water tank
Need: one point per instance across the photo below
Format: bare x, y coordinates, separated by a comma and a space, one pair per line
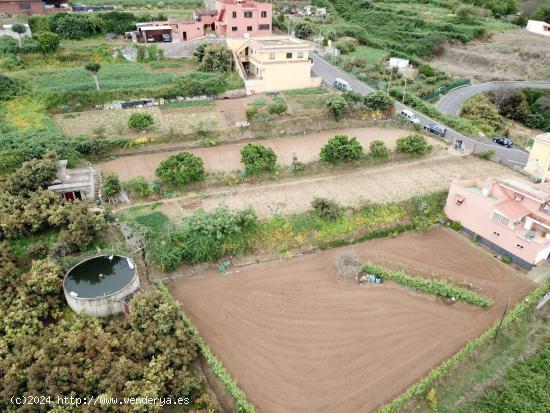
98, 286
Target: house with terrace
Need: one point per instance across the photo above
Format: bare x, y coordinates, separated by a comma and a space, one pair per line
509, 215
273, 63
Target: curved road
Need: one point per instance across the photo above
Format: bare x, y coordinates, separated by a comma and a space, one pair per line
453, 101
511, 157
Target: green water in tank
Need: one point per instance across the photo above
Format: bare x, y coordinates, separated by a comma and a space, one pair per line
99, 276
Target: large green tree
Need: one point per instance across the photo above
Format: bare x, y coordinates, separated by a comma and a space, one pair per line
216, 58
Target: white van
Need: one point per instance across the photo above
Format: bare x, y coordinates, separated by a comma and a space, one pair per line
411, 117
342, 85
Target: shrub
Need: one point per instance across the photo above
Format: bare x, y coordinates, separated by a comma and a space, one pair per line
377, 100
251, 112
9, 87
140, 186
326, 209
427, 70
33, 174
181, 169
337, 105
204, 236
304, 29
413, 144
111, 184
345, 46
278, 106
258, 158
378, 149
506, 259
8, 46
47, 42
140, 120
341, 149
427, 286
455, 225
199, 51
217, 58
488, 154
75, 26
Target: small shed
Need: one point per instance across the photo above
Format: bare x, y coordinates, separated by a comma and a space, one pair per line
81, 183
401, 64
538, 27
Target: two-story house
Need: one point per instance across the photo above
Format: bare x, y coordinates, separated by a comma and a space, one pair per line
237, 18
510, 215
273, 63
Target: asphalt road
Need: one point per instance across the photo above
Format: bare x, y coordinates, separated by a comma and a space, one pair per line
453, 101
511, 157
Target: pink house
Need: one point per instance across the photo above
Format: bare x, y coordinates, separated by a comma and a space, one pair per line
230, 18
510, 215
239, 17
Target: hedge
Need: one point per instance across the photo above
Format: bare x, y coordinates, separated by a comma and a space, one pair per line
426, 286
446, 366
242, 405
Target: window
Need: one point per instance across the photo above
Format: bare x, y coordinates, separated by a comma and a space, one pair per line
248, 28
264, 14
271, 56
234, 29
263, 27
234, 14
248, 14
300, 55
501, 218
24, 6
289, 55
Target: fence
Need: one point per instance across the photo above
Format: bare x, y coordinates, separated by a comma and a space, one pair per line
446, 89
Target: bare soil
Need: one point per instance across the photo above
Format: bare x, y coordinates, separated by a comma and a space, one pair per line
228, 158
387, 183
510, 55
299, 339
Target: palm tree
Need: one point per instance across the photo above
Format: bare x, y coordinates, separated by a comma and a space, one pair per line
19, 28
93, 68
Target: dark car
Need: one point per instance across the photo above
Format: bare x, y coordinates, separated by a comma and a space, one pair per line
501, 140
435, 129
166, 37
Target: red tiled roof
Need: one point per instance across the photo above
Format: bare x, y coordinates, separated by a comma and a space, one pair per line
512, 209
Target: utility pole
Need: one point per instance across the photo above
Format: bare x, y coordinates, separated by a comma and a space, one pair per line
404, 88
391, 77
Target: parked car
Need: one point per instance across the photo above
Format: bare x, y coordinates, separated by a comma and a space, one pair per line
150, 39
504, 141
166, 37
342, 85
435, 129
411, 117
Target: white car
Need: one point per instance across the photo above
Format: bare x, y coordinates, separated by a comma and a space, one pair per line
411, 117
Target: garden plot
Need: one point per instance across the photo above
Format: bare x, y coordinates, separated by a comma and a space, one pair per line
170, 121
228, 157
298, 338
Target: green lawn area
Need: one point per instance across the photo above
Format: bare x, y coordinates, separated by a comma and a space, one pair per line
371, 54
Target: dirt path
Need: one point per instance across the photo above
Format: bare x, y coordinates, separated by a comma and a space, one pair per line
299, 339
393, 182
228, 158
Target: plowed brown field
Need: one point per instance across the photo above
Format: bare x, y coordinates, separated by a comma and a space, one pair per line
299, 339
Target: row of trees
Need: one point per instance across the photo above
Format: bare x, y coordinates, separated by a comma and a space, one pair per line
185, 168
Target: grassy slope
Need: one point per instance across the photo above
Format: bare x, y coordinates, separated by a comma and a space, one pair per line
480, 380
